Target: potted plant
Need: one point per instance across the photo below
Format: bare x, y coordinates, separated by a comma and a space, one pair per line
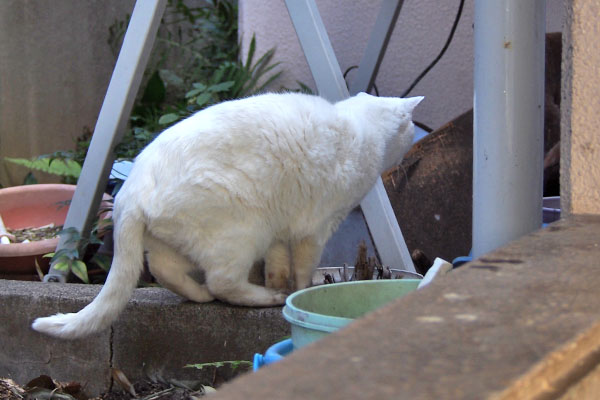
32, 216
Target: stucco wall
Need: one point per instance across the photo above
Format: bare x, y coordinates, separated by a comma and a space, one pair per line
420, 34
55, 65
580, 143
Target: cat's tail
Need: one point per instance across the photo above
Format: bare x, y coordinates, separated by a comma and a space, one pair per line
112, 299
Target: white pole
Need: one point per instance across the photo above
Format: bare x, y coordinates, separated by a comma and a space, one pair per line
508, 121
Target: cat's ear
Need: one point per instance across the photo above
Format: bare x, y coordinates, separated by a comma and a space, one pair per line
410, 103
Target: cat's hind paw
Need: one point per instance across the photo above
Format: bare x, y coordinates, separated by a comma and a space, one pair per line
280, 297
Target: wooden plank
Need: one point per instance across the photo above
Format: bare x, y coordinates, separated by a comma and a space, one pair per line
567, 373
526, 313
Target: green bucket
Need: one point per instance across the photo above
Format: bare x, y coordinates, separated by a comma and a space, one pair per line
319, 310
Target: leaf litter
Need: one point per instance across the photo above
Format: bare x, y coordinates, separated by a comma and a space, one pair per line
35, 234
46, 388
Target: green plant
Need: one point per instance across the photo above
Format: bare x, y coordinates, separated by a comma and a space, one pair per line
64, 163
230, 80
68, 168
68, 259
190, 39
194, 64
71, 258
191, 44
217, 364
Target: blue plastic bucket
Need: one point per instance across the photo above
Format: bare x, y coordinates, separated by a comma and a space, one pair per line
318, 311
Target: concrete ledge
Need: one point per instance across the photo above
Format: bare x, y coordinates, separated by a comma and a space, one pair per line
522, 322
158, 334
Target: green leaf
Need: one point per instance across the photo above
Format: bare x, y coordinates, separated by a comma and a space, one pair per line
170, 77
61, 255
79, 268
48, 255
30, 179
199, 86
39, 271
304, 88
168, 119
56, 166
102, 260
71, 233
251, 50
61, 266
141, 133
221, 87
203, 99
268, 82
95, 240
218, 75
194, 92
65, 255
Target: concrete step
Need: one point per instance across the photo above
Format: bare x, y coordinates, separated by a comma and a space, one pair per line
157, 335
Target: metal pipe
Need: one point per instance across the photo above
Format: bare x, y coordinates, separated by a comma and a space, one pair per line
376, 46
317, 49
508, 121
112, 121
325, 69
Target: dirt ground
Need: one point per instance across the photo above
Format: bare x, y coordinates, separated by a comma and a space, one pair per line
156, 390
45, 388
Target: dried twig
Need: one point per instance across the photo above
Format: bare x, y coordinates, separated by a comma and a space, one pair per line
328, 278
10, 390
364, 267
122, 380
421, 261
345, 277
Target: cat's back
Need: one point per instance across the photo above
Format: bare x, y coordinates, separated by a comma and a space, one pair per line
275, 113
267, 125
236, 145
252, 120
271, 104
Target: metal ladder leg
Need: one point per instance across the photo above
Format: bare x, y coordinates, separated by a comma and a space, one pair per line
112, 120
330, 83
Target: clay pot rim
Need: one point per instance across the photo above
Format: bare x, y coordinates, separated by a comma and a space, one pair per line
36, 187
38, 247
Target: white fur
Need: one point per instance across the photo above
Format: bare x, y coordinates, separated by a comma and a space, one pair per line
268, 177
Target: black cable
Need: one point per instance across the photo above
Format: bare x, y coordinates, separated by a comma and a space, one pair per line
350, 68
435, 61
354, 67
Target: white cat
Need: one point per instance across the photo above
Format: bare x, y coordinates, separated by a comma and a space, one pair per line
267, 177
